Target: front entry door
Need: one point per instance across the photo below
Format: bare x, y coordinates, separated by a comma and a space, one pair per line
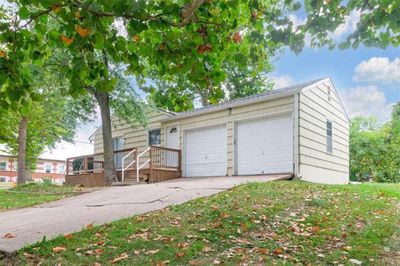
172, 141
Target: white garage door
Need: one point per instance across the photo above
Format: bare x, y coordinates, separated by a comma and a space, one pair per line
205, 152
265, 146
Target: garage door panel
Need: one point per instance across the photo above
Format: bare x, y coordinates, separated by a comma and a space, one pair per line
265, 145
206, 152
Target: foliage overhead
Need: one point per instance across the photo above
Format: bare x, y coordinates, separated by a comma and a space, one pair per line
379, 24
161, 37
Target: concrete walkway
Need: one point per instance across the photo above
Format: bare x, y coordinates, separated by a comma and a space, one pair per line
68, 215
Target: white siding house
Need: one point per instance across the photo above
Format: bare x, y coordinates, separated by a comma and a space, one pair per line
300, 130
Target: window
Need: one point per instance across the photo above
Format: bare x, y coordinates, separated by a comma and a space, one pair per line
3, 179
3, 166
47, 168
155, 137
61, 169
329, 134
15, 165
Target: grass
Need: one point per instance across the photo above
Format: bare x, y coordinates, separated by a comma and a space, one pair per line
279, 223
31, 194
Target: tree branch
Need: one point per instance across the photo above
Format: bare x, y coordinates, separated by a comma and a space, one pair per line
189, 10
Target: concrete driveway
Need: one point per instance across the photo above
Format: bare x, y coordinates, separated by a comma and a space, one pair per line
68, 215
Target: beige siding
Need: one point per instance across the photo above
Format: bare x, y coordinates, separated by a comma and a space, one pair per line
315, 163
136, 136
228, 117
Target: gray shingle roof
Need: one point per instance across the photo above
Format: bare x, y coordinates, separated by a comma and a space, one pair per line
282, 91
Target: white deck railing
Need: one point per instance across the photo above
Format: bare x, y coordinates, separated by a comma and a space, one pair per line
124, 168
138, 166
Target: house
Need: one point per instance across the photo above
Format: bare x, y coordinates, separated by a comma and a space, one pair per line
300, 130
45, 168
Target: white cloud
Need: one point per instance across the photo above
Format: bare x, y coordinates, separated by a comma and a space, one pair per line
366, 101
348, 27
282, 81
378, 70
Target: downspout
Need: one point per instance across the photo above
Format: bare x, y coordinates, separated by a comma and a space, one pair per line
296, 129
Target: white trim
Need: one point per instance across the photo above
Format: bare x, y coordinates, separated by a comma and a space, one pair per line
296, 134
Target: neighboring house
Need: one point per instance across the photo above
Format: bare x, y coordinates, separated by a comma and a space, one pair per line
45, 168
302, 130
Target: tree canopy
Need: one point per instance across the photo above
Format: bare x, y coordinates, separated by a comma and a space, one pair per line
375, 149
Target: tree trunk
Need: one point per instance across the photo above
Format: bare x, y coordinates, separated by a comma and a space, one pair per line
28, 170
23, 124
110, 172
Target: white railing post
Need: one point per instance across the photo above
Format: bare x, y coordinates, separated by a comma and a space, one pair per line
138, 166
137, 169
129, 164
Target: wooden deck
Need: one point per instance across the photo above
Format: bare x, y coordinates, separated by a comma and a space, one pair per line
164, 164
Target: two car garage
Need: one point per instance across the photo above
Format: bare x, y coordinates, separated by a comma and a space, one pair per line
262, 145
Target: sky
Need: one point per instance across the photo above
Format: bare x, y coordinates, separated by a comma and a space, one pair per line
368, 80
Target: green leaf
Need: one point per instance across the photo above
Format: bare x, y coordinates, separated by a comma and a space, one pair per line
24, 13
99, 41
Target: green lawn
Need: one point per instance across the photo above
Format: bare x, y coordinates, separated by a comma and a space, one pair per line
282, 222
32, 194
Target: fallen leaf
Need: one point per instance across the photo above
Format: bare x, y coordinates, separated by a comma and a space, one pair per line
182, 245
162, 263
123, 256
206, 249
68, 236
225, 215
217, 261
278, 251
3, 54
356, 262
347, 248
263, 251
59, 249
66, 40
180, 254
154, 251
28, 255
83, 32
89, 226
8, 235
